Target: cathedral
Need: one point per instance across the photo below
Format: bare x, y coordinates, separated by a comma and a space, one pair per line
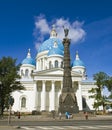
42, 78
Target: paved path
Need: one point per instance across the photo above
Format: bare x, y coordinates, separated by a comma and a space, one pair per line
45, 118
41, 118
98, 127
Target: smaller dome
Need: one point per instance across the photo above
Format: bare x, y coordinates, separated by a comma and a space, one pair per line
29, 60
77, 61
55, 50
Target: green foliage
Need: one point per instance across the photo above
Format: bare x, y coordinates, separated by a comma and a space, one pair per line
101, 79
110, 96
9, 80
109, 86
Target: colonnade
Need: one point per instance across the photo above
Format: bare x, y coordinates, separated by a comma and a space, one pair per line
48, 93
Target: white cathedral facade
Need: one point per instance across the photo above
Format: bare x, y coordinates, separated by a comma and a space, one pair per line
42, 78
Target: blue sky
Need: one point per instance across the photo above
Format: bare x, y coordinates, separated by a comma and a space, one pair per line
25, 24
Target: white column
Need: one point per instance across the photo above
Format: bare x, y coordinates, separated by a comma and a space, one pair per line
61, 87
43, 95
35, 96
43, 64
52, 97
79, 99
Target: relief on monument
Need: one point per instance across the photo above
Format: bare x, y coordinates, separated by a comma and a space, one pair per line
69, 100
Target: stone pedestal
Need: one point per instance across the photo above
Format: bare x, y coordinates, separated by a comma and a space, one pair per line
68, 103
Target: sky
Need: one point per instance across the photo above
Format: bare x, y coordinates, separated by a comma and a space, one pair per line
26, 24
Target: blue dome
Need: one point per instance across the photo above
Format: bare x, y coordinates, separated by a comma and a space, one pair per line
78, 63
48, 44
30, 61
55, 51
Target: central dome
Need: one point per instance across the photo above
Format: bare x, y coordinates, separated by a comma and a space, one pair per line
48, 44
55, 50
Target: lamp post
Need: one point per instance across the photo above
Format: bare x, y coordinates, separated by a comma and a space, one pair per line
11, 102
0, 95
9, 117
2, 74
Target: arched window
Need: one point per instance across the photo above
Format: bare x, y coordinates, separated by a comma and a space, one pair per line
22, 74
26, 72
56, 64
23, 102
50, 65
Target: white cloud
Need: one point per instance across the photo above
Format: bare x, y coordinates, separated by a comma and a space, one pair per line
43, 28
37, 45
77, 24
42, 25
77, 34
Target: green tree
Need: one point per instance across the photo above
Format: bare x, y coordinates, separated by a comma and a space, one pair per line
9, 81
97, 93
109, 86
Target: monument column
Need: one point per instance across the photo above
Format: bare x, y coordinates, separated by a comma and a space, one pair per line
67, 80
67, 100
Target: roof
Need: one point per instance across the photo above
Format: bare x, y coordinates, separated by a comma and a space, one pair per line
29, 59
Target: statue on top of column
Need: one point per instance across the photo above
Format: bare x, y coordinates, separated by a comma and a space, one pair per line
66, 30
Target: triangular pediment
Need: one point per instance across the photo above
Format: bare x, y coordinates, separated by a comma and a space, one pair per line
55, 71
